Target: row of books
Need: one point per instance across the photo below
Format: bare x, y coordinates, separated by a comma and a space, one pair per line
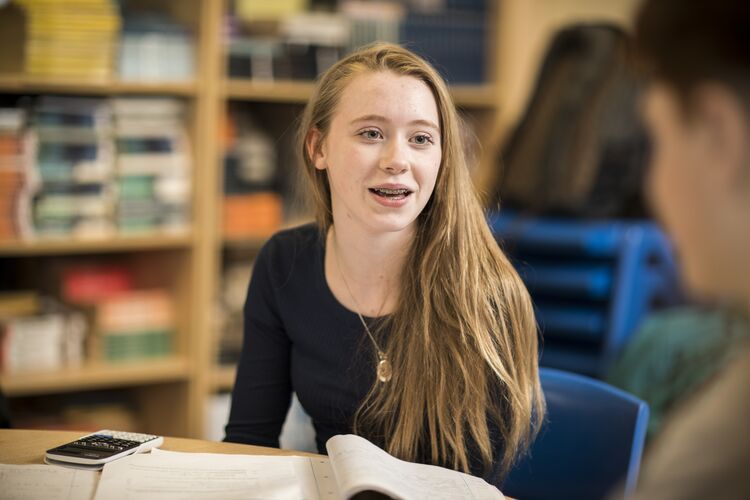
153, 165
75, 39
36, 336
91, 39
155, 48
252, 205
100, 316
292, 43
92, 167
72, 167
126, 322
13, 197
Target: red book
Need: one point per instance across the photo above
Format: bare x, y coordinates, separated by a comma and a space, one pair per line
88, 285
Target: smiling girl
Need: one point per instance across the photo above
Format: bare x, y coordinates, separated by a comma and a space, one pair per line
396, 316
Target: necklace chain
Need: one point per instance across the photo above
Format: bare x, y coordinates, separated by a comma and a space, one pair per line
384, 366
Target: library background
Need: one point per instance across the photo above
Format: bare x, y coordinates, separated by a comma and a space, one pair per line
147, 152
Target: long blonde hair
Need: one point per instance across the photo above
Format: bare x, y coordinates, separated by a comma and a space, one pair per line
463, 342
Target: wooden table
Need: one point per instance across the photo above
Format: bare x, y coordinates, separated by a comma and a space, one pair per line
28, 447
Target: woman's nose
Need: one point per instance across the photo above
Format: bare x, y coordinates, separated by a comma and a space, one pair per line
395, 158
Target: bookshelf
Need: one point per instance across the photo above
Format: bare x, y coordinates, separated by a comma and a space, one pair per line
64, 246
190, 265
161, 394
97, 376
19, 83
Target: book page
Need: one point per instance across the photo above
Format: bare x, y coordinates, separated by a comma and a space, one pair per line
169, 475
42, 482
360, 466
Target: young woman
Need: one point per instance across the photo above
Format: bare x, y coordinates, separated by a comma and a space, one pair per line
396, 316
698, 110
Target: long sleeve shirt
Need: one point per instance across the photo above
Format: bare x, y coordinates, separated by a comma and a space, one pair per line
299, 338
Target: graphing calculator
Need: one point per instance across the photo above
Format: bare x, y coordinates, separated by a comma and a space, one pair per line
94, 450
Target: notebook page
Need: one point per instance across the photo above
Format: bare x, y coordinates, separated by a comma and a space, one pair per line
42, 482
359, 466
168, 475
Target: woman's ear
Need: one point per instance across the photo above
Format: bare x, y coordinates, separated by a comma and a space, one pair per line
315, 149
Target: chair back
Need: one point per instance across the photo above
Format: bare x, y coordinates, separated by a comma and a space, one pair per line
591, 442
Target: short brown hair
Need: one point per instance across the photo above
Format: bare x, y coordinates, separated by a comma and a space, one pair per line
684, 43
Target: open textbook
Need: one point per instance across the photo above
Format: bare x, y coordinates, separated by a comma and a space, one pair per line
354, 466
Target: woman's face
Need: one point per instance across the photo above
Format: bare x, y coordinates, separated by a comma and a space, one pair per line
382, 152
689, 188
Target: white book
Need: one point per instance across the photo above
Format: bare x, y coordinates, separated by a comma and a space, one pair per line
354, 466
34, 343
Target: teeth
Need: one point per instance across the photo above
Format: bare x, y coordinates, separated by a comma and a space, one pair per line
391, 192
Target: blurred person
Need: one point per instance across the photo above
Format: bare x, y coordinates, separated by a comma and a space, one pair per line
674, 353
396, 316
697, 107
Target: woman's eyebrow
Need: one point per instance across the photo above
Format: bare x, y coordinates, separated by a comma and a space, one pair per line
383, 119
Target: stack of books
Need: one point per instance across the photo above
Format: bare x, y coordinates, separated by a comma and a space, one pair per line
155, 48
372, 21
74, 162
252, 215
282, 40
13, 163
125, 322
252, 205
134, 325
35, 338
452, 35
71, 39
153, 165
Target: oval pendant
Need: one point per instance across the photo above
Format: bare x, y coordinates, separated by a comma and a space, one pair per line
384, 370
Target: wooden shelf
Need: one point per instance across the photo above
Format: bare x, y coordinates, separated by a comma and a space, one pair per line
96, 376
21, 84
60, 246
470, 96
222, 378
271, 91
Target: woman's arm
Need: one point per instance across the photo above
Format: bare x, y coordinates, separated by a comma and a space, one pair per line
262, 390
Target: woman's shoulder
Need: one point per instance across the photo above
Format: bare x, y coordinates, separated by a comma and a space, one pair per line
305, 235
288, 246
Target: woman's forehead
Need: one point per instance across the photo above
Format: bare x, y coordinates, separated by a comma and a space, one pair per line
384, 94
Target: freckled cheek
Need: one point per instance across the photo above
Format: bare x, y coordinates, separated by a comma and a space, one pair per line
360, 161
427, 176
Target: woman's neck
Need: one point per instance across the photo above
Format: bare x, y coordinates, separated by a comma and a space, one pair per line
364, 270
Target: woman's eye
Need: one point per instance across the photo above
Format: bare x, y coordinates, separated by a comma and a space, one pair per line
370, 134
422, 139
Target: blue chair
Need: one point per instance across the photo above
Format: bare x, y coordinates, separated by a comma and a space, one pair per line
592, 282
591, 442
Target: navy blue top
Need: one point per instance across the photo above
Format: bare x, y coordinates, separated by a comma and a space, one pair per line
298, 337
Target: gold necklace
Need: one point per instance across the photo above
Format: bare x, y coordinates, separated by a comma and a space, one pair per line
383, 370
